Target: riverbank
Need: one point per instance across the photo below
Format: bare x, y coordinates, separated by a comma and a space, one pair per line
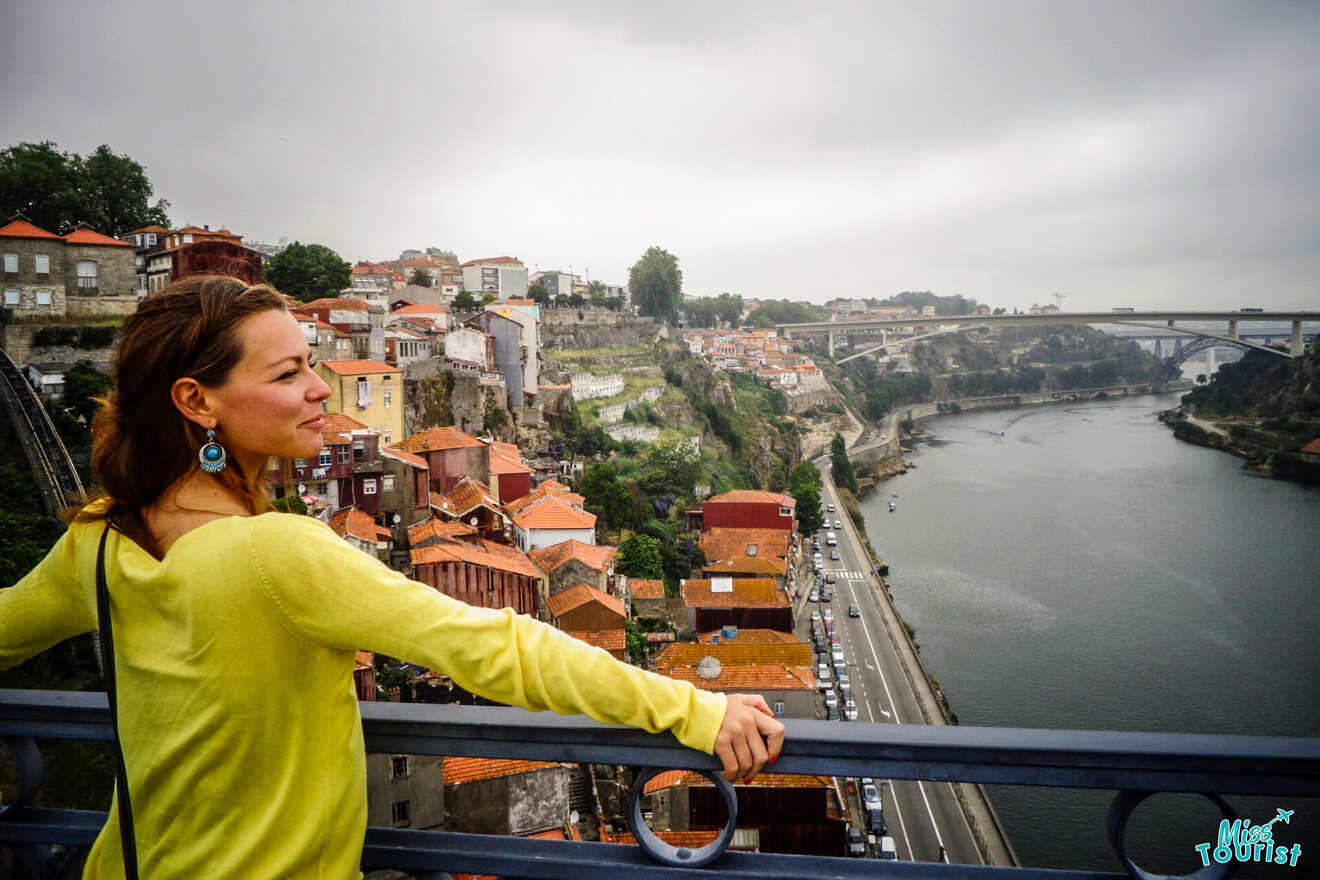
1252, 441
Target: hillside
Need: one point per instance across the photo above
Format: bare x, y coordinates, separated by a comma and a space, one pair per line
1263, 408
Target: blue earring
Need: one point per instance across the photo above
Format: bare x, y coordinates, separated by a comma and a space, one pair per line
212, 455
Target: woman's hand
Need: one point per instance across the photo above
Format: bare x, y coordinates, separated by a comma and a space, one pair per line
750, 737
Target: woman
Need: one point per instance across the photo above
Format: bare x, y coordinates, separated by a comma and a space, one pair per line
235, 630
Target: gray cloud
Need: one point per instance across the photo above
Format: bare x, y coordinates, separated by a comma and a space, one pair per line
1159, 153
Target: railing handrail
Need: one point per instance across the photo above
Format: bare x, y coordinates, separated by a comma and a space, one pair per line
1126, 760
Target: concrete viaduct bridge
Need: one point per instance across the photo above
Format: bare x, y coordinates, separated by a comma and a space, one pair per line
1166, 322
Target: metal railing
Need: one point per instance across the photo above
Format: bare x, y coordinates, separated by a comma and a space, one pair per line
1133, 764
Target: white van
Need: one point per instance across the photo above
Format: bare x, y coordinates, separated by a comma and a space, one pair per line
887, 848
831, 539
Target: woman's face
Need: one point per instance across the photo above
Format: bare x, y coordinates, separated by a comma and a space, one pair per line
270, 404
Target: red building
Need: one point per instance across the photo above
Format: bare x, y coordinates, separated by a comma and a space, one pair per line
488, 575
510, 479
451, 454
745, 509
347, 472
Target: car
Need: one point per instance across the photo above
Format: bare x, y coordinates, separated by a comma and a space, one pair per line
838, 523
845, 691
834, 555
854, 611
815, 616
850, 713
823, 676
837, 655
813, 596
828, 615
856, 845
841, 677
887, 849
832, 712
867, 780
827, 594
829, 578
870, 798
831, 699
829, 507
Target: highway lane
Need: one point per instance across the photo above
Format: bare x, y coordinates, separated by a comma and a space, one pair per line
922, 816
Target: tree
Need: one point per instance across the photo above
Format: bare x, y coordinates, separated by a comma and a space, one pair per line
656, 284
57, 190
804, 485
841, 469
635, 643
308, 271
82, 384
537, 293
608, 498
420, 277
639, 557
464, 302
1201, 379
488, 297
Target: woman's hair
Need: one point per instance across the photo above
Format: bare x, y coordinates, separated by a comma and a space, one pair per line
141, 443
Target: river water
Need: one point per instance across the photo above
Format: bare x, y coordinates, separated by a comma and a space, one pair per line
1076, 567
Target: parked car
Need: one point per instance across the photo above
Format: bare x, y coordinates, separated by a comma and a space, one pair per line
850, 712
832, 713
856, 845
837, 654
831, 700
887, 849
841, 677
870, 798
854, 611
815, 615
829, 507
828, 615
823, 676
834, 555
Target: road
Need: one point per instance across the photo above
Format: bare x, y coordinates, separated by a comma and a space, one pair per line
922, 816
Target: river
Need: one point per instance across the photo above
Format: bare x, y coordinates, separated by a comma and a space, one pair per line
1076, 567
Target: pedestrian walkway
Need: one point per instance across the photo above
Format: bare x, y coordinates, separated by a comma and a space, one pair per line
846, 575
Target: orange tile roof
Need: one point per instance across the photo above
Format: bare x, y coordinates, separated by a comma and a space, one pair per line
746, 565
460, 770
555, 514
595, 556
493, 260
152, 227
737, 654
610, 639
466, 495
351, 521
500, 557
746, 593
436, 528
553, 484
502, 464
753, 496
338, 426
671, 778
83, 235
689, 839
722, 542
646, 588
542, 492
1312, 448
350, 368
422, 309
415, 460
24, 229
744, 636
438, 438
343, 303
766, 677
575, 597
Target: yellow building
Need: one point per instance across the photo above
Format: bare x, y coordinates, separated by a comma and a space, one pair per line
369, 391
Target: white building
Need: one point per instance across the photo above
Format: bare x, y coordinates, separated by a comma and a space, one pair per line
506, 277
612, 413
635, 433
587, 386
467, 346
552, 521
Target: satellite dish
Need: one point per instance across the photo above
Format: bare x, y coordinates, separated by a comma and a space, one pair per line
573, 817
302, 488
397, 519
473, 521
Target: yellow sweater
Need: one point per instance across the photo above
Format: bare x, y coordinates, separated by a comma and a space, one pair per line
238, 716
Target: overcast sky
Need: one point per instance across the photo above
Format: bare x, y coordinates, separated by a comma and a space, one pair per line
1146, 154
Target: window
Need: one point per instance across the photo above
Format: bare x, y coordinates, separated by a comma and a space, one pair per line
42, 262
400, 813
363, 392
11, 297
324, 460
345, 455
387, 483
369, 487
785, 511
779, 707
43, 297
273, 463
151, 238
387, 398
187, 238
359, 450
387, 435
399, 767
87, 274
11, 264
300, 462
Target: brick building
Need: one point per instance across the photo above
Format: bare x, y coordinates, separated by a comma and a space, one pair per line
48, 275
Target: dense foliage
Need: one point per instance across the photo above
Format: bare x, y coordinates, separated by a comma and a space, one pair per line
75, 337
707, 311
841, 469
57, 190
1253, 386
781, 311
917, 299
640, 557
308, 271
804, 484
656, 284
882, 392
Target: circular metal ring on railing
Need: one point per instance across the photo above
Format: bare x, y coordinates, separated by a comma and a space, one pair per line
681, 856
27, 761
1120, 810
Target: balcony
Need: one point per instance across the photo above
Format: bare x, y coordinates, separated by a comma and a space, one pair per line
1134, 764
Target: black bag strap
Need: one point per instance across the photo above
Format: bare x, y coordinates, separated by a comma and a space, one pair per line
126, 838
